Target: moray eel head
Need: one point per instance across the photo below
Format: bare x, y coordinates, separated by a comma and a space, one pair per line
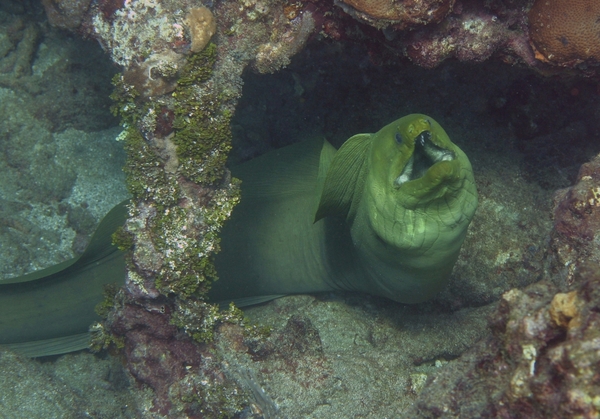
419, 198
409, 195
416, 162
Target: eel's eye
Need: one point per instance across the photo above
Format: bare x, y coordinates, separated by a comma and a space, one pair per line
399, 139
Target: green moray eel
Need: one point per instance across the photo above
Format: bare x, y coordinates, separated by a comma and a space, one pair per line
386, 214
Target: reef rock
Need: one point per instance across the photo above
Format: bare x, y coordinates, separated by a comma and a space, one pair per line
471, 33
66, 14
577, 223
532, 367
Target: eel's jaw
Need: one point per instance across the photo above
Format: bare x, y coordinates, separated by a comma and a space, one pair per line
425, 155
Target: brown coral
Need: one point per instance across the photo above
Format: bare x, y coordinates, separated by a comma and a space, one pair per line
564, 309
565, 32
202, 26
402, 14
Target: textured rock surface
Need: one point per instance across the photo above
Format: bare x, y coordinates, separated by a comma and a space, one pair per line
76, 386
576, 237
177, 146
343, 356
28, 392
57, 142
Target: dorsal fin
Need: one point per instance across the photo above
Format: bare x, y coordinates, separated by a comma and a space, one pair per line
327, 153
280, 173
345, 178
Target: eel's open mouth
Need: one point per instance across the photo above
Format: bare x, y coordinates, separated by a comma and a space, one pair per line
425, 155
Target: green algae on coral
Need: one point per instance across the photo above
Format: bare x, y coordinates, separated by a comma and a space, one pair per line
107, 304
202, 129
146, 179
124, 97
123, 239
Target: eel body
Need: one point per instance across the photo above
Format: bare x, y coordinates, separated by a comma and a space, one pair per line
49, 311
386, 214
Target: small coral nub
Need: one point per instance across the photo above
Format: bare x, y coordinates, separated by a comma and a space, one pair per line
202, 26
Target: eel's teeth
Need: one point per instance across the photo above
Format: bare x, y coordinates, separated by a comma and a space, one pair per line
406, 173
434, 152
427, 154
424, 138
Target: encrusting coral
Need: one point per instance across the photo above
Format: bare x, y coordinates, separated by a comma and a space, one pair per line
565, 32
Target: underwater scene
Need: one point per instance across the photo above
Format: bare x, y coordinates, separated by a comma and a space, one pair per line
299, 209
